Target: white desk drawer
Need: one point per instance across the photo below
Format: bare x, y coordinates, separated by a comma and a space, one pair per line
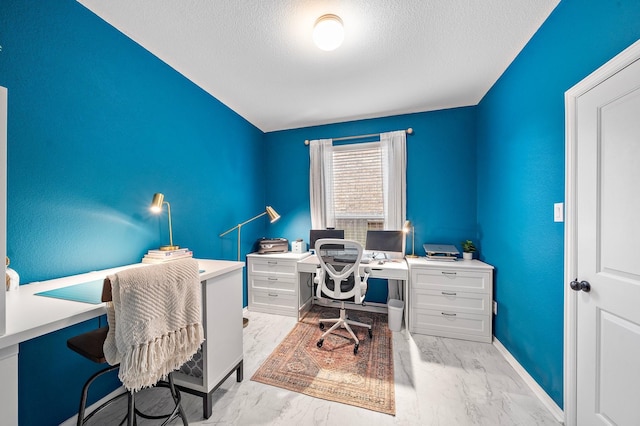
451, 280
451, 301
273, 302
272, 283
451, 324
386, 273
273, 267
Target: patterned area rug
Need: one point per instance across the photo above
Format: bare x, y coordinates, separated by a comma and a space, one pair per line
333, 372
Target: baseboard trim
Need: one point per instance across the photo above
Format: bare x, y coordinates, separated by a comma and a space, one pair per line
546, 400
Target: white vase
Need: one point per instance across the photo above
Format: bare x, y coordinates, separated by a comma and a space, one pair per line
13, 280
467, 255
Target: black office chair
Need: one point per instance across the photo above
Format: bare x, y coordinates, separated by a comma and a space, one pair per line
338, 278
91, 345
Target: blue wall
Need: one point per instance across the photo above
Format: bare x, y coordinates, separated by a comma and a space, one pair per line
441, 177
441, 173
521, 175
96, 126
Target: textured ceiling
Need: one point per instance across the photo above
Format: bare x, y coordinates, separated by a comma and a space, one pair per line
398, 57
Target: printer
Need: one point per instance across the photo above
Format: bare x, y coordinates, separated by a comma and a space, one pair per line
273, 245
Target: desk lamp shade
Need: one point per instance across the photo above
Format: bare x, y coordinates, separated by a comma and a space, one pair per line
273, 215
156, 207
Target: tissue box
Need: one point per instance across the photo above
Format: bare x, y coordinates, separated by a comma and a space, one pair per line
298, 246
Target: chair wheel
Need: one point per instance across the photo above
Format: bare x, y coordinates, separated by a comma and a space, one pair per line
370, 334
321, 326
320, 342
355, 349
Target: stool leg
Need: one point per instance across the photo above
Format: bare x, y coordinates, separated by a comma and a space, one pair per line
177, 398
131, 409
85, 392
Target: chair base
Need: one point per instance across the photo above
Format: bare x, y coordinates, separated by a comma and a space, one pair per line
346, 323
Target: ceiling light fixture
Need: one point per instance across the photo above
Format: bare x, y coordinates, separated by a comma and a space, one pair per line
328, 32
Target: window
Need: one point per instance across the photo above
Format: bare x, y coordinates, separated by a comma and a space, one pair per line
358, 186
358, 202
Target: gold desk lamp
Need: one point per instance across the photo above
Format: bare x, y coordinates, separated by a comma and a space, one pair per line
408, 227
156, 207
273, 216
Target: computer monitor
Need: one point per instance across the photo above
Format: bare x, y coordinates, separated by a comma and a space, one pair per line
391, 243
317, 234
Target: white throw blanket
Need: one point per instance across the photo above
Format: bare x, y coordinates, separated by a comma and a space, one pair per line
154, 320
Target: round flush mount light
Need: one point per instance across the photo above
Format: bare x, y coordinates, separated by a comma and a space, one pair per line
328, 32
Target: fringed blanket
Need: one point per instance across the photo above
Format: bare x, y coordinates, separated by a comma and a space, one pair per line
154, 321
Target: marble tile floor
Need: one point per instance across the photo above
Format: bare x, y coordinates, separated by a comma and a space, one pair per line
439, 381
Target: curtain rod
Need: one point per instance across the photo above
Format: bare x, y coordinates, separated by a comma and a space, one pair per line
409, 131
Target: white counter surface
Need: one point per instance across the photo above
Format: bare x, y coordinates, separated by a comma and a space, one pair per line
30, 316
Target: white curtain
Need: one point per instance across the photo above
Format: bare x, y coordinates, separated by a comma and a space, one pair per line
394, 181
394, 178
321, 184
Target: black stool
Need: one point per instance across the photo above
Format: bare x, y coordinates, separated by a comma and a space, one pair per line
91, 346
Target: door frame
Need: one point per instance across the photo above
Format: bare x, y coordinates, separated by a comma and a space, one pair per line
619, 62
4, 118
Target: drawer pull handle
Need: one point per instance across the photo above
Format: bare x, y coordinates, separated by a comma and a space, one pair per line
448, 315
446, 293
273, 295
272, 279
272, 262
449, 273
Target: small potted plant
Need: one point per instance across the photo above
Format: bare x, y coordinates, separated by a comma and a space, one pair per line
467, 249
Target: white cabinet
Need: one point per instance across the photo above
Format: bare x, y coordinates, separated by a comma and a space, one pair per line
272, 282
9, 389
8, 356
222, 352
451, 299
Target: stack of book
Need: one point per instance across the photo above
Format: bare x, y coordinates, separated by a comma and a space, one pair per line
160, 256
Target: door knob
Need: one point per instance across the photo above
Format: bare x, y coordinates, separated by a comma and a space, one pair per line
582, 285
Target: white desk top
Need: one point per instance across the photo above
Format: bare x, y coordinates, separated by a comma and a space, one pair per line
281, 256
30, 316
474, 264
391, 269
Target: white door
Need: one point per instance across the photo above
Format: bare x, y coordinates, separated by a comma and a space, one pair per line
605, 258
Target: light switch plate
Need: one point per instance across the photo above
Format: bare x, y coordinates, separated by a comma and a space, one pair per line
558, 212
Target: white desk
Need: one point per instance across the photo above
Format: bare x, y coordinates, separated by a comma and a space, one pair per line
272, 283
390, 270
30, 316
451, 299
